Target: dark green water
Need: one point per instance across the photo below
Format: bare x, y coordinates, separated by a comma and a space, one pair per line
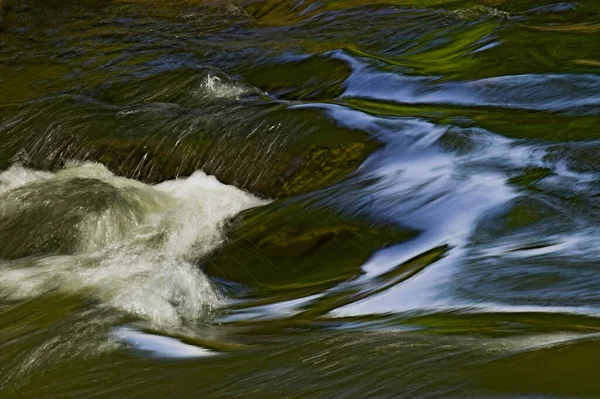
407, 203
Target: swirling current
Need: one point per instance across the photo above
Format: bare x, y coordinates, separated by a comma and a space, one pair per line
299, 199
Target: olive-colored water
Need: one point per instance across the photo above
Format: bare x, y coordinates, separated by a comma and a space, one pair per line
407, 203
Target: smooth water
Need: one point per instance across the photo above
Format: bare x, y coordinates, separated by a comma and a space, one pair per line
354, 199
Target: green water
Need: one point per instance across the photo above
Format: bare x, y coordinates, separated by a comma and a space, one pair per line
405, 201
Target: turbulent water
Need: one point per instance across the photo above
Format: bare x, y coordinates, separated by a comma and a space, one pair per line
299, 198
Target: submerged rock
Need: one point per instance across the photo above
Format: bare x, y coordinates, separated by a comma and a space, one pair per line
155, 116
322, 165
291, 245
265, 148
313, 78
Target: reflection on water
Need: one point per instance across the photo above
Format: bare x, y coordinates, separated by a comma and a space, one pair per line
299, 198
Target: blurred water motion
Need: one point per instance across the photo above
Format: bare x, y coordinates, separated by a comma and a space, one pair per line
299, 198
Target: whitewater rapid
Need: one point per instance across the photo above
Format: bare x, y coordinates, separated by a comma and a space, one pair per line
131, 247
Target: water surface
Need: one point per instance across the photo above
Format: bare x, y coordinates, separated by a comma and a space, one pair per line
299, 199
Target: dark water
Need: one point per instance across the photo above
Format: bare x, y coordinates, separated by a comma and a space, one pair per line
407, 204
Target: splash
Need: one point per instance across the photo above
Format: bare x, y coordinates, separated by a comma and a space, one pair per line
130, 246
215, 87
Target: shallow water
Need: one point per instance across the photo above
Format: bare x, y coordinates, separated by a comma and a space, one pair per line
387, 198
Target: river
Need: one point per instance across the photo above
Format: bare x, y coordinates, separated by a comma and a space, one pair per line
299, 199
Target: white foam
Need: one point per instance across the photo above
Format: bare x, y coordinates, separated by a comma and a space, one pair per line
214, 87
136, 255
17, 176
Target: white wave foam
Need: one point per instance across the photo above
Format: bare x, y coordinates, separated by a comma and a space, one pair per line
480, 10
214, 87
18, 176
135, 244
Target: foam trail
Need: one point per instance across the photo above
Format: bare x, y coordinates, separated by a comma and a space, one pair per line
158, 345
541, 92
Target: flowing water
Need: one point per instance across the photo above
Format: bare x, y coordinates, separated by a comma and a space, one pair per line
299, 198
